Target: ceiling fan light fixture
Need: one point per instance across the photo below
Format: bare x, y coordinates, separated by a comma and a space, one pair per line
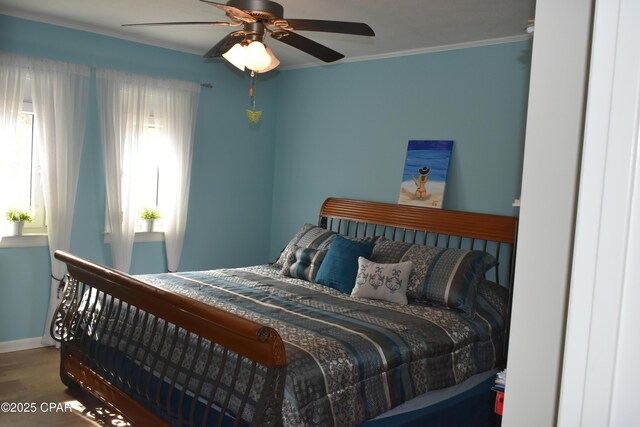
237, 56
274, 61
257, 57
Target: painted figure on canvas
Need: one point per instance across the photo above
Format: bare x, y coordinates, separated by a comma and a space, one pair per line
430, 159
421, 182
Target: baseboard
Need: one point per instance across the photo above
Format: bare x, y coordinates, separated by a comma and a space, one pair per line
19, 345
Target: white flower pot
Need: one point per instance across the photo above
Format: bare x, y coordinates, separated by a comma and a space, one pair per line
149, 225
18, 227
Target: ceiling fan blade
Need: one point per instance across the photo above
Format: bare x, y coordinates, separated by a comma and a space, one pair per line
226, 24
307, 45
224, 45
231, 11
342, 27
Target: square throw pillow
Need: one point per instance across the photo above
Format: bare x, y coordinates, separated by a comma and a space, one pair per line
372, 239
389, 251
309, 236
340, 266
421, 257
452, 278
303, 263
387, 282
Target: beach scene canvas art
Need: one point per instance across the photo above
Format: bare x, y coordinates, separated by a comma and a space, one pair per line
425, 173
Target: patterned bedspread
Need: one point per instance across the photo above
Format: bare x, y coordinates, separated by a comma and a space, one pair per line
348, 360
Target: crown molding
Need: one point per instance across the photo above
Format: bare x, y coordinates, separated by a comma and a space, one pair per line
420, 51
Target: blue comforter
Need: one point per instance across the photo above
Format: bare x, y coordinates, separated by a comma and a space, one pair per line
348, 360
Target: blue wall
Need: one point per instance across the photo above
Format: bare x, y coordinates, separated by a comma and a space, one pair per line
24, 292
226, 222
338, 130
343, 130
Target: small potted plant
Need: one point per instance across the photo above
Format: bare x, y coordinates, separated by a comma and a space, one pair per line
150, 215
18, 217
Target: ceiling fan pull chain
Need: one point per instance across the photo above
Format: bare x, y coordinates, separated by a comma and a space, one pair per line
252, 89
252, 115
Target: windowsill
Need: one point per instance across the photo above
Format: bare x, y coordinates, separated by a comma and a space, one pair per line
25, 241
141, 237
42, 240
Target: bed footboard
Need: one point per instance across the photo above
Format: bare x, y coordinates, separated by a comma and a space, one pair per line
159, 357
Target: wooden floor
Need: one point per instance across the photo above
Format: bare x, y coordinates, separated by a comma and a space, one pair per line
30, 378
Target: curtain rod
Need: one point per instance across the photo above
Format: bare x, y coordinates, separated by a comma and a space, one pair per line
202, 84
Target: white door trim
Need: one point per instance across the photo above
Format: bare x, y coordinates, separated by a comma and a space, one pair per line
600, 372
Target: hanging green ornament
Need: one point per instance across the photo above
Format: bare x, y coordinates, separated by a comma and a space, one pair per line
252, 115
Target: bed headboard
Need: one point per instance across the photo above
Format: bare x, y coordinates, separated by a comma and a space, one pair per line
495, 234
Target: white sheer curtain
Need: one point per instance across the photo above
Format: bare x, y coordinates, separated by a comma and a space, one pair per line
123, 103
60, 94
126, 102
13, 78
176, 108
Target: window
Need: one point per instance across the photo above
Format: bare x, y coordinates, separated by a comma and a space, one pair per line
24, 189
148, 179
127, 102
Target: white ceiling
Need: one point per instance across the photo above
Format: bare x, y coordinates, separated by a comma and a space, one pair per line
400, 25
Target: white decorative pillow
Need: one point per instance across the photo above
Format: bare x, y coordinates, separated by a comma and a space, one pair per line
386, 282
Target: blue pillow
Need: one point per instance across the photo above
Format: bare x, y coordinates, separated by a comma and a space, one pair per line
340, 266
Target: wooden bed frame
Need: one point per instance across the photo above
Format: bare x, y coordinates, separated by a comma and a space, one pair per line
240, 341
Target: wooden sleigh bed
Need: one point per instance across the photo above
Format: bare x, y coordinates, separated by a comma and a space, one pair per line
164, 355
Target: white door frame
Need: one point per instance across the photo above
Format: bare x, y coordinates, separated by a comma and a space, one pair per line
600, 371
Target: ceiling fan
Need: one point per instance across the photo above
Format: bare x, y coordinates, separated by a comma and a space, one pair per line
258, 17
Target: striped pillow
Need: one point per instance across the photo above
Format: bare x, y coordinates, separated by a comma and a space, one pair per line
452, 278
303, 263
309, 236
447, 277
